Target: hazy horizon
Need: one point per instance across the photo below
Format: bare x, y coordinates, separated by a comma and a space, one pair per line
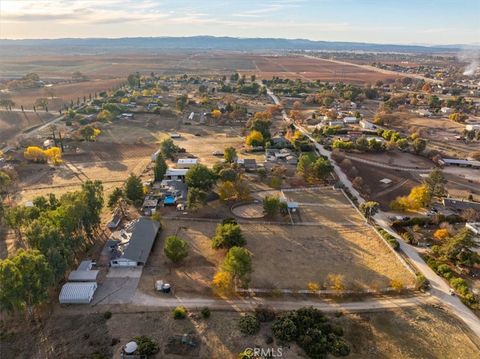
424, 22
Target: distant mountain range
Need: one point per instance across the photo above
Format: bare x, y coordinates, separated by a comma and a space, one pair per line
153, 44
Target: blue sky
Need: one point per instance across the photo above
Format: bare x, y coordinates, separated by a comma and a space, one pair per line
378, 21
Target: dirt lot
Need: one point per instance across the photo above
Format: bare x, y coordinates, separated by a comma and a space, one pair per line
14, 122
424, 332
108, 162
341, 244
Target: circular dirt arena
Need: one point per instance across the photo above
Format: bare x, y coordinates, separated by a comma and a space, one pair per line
248, 210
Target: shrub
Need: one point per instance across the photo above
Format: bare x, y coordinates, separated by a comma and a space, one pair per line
265, 314
146, 346
248, 324
408, 237
107, 315
227, 236
179, 312
421, 283
206, 313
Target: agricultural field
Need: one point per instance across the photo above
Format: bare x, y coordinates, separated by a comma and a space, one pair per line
402, 333
62, 93
307, 69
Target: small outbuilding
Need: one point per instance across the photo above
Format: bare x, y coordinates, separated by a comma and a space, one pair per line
77, 293
83, 275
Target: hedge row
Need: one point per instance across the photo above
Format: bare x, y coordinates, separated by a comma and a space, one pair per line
389, 238
459, 284
421, 221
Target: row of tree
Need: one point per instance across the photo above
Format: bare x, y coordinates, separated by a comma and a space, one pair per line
53, 233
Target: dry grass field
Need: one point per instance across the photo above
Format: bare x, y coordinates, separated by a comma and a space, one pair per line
63, 93
13, 123
284, 256
423, 332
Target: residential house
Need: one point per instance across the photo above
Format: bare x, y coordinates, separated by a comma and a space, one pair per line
136, 250
177, 174
186, 162
367, 125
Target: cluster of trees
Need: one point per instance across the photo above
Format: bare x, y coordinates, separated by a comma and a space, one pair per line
421, 196
39, 155
89, 133
131, 192
392, 138
313, 168
200, 180
272, 206
312, 332
259, 129
53, 233
232, 185
458, 249
237, 265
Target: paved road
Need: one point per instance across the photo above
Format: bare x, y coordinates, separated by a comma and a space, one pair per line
439, 288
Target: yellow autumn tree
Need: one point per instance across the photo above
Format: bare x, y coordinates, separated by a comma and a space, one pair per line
124, 100
254, 138
440, 234
216, 114
419, 197
35, 154
54, 154
222, 282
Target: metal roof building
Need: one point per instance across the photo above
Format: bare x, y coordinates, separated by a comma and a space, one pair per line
83, 275
77, 293
137, 250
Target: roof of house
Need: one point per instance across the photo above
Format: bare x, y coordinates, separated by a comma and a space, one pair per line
248, 162
77, 292
176, 172
144, 231
187, 160
85, 265
83, 275
460, 204
455, 161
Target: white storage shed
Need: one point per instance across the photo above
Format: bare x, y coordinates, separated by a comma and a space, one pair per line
77, 293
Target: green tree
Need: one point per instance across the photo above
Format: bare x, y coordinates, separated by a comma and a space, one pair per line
181, 102
134, 189
160, 167
175, 249
168, 148
199, 176
133, 80
230, 154
195, 198
228, 235
369, 209
419, 145
24, 281
435, 183
459, 249
321, 168
5, 182
238, 262
304, 165
271, 205
92, 194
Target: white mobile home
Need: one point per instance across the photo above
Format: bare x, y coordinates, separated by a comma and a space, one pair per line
186, 162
